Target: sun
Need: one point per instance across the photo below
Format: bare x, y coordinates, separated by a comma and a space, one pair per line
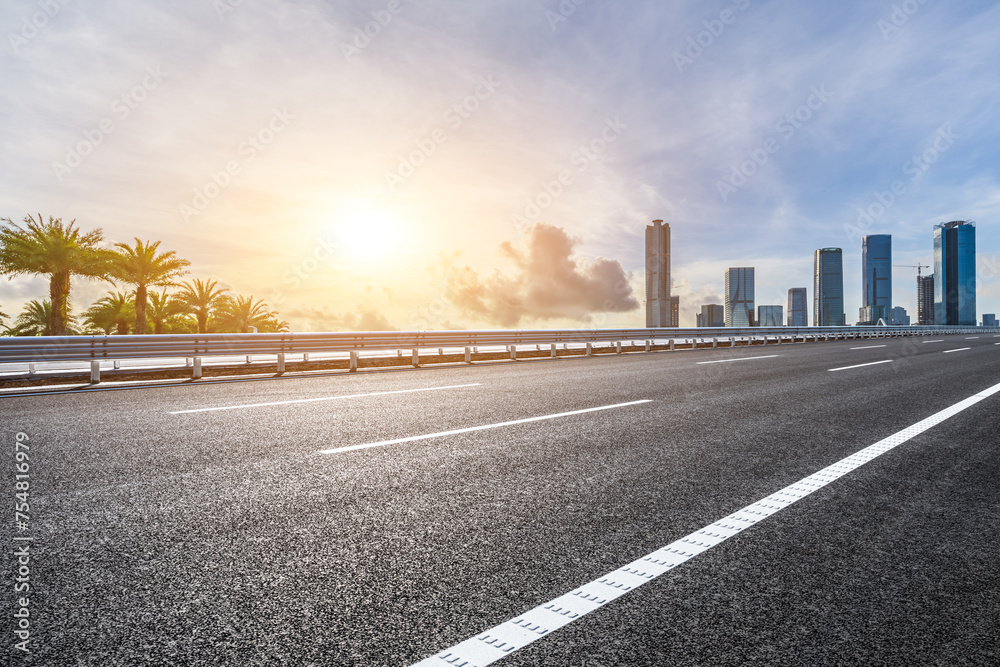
368, 233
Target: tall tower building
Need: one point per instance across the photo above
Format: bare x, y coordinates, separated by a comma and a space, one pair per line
876, 277
828, 287
798, 308
739, 297
925, 299
769, 316
658, 275
955, 273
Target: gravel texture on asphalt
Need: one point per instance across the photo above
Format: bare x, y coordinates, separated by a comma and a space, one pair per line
221, 538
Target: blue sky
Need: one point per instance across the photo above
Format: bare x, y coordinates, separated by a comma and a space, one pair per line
361, 181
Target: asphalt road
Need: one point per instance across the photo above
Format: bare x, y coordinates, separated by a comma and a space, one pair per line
225, 537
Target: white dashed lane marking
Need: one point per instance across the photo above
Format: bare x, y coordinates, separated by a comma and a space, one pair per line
871, 363
323, 398
483, 427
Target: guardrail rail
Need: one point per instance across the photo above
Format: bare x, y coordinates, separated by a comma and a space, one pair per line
41, 349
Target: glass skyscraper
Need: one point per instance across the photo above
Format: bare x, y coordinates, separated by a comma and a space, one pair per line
798, 309
739, 297
712, 315
876, 277
770, 316
955, 273
828, 287
658, 303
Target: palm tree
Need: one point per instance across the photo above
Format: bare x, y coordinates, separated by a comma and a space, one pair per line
142, 266
242, 313
165, 313
36, 320
57, 250
115, 311
201, 299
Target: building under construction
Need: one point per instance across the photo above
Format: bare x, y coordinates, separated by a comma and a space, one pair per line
925, 299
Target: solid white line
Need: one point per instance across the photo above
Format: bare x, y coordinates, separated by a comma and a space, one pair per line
470, 429
971, 337
867, 347
960, 349
873, 363
933, 341
502, 640
324, 398
723, 361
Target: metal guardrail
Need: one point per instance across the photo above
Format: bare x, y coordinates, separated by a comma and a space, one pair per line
41, 349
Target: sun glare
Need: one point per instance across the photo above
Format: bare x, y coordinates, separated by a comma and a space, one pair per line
368, 233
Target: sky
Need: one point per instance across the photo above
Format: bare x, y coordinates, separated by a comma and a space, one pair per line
409, 164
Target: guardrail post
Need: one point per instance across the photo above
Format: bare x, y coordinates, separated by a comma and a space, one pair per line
468, 355
513, 352
649, 344
196, 369
416, 357
117, 364
715, 342
31, 369
353, 365
552, 351
305, 356
440, 351
281, 363
671, 344
95, 372
618, 347
590, 349
249, 358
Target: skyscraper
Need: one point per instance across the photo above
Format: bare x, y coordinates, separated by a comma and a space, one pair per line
658, 274
955, 273
769, 316
828, 287
712, 315
798, 310
899, 317
739, 296
876, 277
925, 299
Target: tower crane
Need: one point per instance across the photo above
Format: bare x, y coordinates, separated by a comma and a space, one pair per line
918, 266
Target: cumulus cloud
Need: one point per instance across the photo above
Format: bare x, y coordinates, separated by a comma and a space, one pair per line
547, 283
